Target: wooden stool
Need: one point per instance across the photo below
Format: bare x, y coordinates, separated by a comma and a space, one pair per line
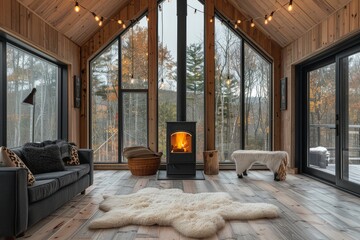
211, 162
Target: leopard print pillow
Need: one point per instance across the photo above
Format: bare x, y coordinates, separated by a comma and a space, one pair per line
10, 159
74, 156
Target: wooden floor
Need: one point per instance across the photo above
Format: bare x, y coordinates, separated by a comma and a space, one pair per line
309, 209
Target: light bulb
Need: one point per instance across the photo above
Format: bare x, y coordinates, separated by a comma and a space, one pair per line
211, 19
101, 22
124, 26
271, 16
238, 21
77, 7
97, 18
290, 7
119, 21
236, 26
252, 24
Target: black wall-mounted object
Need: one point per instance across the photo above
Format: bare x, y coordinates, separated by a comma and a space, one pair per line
77, 92
283, 94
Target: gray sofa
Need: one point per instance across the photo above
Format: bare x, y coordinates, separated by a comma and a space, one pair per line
21, 206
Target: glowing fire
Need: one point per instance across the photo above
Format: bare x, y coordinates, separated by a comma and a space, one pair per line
181, 142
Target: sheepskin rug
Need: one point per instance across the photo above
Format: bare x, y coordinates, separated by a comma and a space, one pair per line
197, 215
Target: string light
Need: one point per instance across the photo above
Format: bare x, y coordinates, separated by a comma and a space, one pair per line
97, 18
228, 81
77, 7
252, 24
101, 21
268, 17
290, 7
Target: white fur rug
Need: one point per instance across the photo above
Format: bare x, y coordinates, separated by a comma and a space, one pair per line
193, 215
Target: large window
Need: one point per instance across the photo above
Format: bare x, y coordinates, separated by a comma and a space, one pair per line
257, 102
119, 85
243, 93
167, 85
41, 120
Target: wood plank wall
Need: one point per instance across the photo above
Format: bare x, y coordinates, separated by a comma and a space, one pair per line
339, 26
17, 21
134, 9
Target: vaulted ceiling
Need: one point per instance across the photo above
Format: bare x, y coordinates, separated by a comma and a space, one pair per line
284, 28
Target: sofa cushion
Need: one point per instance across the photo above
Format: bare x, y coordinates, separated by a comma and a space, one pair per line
43, 159
10, 159
81, 169
42, 189
64, 147
74, 156
64, 177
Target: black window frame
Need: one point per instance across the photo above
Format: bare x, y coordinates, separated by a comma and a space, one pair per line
120, 93
62, 128
267, 58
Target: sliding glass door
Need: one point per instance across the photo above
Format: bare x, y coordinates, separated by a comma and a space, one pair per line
349, 124
321, 118
332, 90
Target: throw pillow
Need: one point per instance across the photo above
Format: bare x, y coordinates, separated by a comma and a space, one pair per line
44, 159
64, 147
10, 159
74, 156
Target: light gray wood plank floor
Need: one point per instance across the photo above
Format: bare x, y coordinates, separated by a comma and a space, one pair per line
309, 209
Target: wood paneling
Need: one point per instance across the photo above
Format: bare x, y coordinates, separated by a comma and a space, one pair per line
308, 209
153, 76
76, 26
284, 28
287, 26
21, 23
342, 24
210, 75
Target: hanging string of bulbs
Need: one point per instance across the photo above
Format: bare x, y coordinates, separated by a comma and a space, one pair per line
98, 18
267, 17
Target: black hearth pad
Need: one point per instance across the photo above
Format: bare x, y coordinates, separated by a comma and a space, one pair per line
161, 175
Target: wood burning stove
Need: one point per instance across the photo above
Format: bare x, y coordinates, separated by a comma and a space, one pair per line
181, 148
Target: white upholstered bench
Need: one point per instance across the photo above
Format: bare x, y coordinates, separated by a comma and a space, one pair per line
276, 161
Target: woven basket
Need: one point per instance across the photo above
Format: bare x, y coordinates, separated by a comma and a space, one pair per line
144, 166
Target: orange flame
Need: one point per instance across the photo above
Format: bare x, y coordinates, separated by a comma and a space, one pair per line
181, 142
